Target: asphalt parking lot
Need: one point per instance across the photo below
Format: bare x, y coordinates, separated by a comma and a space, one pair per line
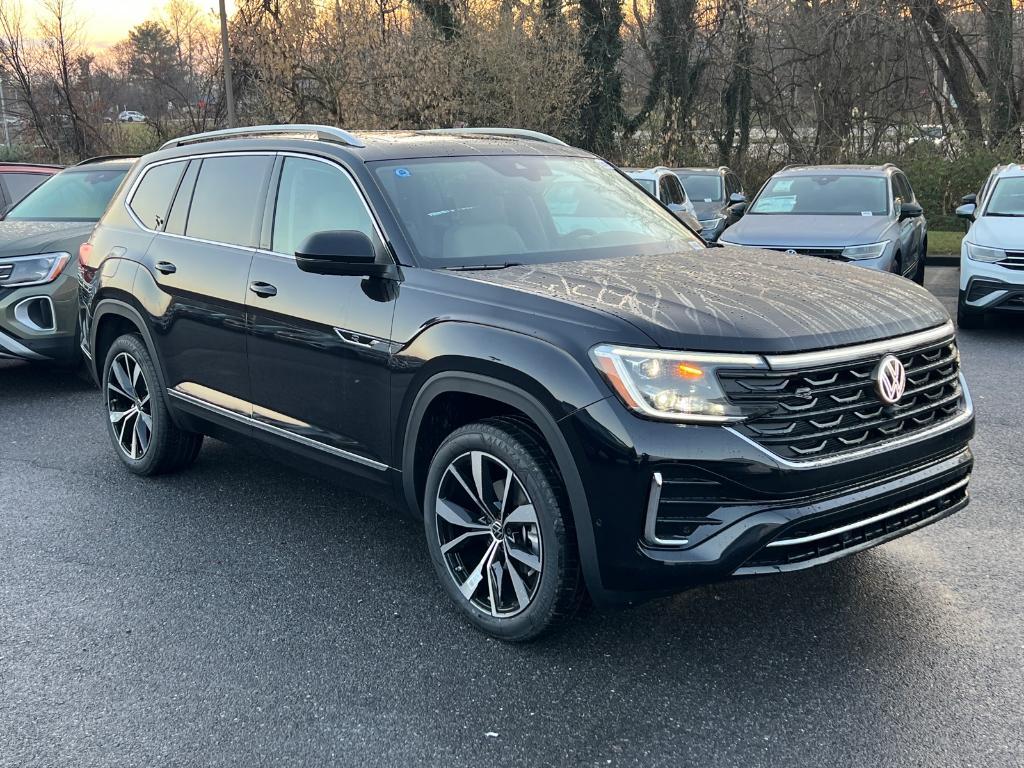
244, 614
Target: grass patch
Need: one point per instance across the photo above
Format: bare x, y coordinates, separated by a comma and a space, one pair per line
944, 243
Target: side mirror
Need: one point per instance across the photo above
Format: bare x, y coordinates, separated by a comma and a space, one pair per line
971, 199
738, 209
966, 211
340, 252
737, 197
910, 211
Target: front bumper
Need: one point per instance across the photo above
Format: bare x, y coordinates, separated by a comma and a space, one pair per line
722, 504
986, 287
39, 323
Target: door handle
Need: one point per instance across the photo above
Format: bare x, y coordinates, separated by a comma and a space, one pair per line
166, 268
263, 290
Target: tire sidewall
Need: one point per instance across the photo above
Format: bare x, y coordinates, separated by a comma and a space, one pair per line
527, 623
134, 346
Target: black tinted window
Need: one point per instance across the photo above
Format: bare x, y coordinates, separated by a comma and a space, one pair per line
179, 209
20, 184
316, 197
675, 190
153, 196
228, 199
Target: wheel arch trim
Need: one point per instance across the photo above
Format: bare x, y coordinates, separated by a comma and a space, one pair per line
484, 386
110, 306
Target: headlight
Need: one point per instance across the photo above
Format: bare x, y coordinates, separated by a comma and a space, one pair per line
32, 270
711, 223
673, 386
872, 251
984, 253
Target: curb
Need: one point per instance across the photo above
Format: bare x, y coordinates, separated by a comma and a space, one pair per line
942, 260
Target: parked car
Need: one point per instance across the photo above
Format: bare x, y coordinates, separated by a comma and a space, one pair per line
18, 179
567, 387
661, 183
39, 238
862, 214
717, 197
131, 116
992, 252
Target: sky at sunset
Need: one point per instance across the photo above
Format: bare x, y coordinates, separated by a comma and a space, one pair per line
108, 21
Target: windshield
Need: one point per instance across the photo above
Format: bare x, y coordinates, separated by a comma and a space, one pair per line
830, 195
491, 211
1007, 198
702, 187
69, 196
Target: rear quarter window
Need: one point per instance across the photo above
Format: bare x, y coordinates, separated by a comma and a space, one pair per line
153, 195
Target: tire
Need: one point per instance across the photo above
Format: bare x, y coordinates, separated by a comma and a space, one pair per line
130, 386
513, 571
922, 257
967, 318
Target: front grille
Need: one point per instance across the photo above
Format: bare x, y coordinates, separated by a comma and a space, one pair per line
826, 411
1013, 260
816, 539
824, 253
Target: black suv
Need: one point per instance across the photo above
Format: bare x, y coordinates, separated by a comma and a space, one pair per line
507, 337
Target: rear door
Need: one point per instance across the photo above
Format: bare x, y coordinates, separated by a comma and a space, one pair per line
199, 262
319, 345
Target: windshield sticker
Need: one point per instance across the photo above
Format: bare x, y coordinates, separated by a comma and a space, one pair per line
777, 204
402, 173
866, 213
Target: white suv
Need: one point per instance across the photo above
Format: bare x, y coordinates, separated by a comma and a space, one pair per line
663, 184
992, 253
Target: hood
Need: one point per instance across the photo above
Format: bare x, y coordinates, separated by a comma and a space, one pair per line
708, 210
804, 231
25, 238
735, 299
1004, 232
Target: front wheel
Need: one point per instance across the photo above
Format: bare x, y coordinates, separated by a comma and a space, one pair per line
500, 531
922, 257
139, 424
966, 317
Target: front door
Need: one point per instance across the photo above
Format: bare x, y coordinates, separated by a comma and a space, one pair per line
319, 345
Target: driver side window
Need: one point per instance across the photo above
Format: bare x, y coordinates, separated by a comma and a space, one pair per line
314, 196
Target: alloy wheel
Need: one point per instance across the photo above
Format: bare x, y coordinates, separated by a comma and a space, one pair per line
128, 404
489, 534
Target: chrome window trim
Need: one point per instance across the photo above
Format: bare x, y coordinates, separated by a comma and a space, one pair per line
965, 416
185, 158
263, 153
868, 521
251, 422
788, 362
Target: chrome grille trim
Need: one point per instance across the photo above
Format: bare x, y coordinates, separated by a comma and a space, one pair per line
871, 520
788, 362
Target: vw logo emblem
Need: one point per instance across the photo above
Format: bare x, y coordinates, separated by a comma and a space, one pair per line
890, 380
790, 251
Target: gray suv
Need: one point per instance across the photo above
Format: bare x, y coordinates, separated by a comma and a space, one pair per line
864, 214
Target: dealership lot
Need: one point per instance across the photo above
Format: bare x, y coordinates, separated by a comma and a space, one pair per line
241, 613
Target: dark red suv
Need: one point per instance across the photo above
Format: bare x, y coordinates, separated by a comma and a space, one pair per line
18, 179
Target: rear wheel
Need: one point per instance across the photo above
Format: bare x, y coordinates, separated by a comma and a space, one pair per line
500, 531
140, 426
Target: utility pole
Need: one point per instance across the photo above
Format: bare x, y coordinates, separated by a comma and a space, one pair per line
229, 91
3, 112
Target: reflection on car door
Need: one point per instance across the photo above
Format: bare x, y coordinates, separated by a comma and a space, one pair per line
319, 346
199, 262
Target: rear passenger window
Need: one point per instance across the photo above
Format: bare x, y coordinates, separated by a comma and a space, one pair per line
316, 197
179, 208
153, 196
228, 200
20, 184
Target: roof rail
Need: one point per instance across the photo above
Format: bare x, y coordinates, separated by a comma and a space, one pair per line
514, 133
317, 132
101, 158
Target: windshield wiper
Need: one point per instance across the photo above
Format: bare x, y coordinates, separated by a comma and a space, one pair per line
474, 267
